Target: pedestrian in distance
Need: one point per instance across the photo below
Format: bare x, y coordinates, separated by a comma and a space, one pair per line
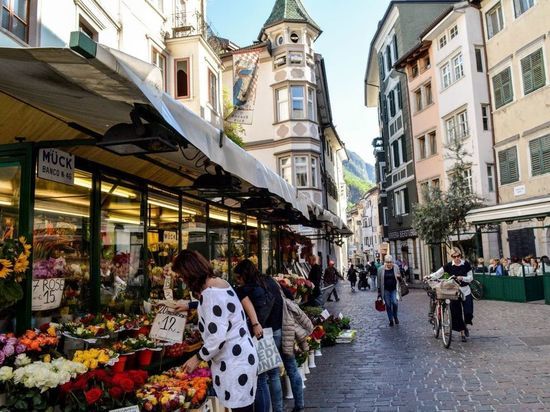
462, 311
373, 273
388, 281
315, 276
331, 278
352, 277
363, 283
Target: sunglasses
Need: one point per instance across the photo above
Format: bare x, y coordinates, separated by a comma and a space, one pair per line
456, 256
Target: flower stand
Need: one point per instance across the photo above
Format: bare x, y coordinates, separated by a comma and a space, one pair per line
318, 352
144, 357
311, 360
288, 388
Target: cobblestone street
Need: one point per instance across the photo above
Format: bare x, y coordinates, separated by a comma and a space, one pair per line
505, 365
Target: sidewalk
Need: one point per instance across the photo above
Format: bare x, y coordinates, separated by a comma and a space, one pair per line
505, 365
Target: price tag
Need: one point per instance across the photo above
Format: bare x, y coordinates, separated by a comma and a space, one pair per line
168, 292
325, 314
134, 408
47, 293
168, 325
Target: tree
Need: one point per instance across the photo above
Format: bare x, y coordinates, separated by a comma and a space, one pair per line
444, 213
231, 129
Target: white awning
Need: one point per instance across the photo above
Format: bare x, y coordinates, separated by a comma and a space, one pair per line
100, 92
525, 209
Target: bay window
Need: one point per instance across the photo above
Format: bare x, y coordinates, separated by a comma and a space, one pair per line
311, 104
281, 96
158, 59
314, 172
300, 170
285, 168
297, 96
295, 102
182, 78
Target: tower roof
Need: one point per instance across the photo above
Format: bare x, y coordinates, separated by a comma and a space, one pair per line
289, 11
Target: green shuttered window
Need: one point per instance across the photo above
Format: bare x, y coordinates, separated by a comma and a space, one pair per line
502, 87
532, 71
508, 161
540, 155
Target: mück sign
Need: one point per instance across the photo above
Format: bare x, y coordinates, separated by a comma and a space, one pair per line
56, 165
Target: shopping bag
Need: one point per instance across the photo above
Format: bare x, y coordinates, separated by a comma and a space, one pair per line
268, 354
403, 287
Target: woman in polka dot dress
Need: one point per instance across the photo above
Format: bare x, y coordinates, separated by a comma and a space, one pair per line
227, 343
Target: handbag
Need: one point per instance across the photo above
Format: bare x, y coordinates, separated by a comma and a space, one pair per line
268, 354
403, 287
380, 305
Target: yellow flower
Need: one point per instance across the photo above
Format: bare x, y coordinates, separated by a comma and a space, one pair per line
5, 268
94, 364
51, 331
27, 246
47, 359
103, 358
22, 264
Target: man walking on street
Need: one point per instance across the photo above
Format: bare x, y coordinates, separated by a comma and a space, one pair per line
373, 273
331, 278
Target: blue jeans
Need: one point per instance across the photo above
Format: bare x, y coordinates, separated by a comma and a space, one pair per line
262, 400
390, 299
295, 379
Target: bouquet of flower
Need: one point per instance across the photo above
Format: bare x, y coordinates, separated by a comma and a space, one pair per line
44, 376
300, 287
49, 268
316, 337
81, 331
140, 343
101, 390
9, 346
37, 341
14, 262
93, 358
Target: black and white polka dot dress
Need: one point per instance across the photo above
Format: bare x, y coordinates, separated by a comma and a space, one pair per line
227, 344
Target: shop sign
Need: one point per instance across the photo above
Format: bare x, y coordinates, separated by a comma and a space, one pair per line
47, 293
56, 165
170, 237
133, 408
168, 325
402, 234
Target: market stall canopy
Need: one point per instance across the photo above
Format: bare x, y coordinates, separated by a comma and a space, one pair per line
99, 91
509, 212
326, 217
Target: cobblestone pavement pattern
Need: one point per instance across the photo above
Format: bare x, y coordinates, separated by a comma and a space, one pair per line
505, 365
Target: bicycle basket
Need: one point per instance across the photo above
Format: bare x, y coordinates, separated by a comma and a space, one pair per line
448, 290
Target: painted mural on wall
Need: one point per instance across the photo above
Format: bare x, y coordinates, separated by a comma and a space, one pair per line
245, 80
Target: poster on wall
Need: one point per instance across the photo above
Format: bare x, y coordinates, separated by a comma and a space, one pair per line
245, 81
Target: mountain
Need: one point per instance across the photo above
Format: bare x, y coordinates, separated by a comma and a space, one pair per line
359, 176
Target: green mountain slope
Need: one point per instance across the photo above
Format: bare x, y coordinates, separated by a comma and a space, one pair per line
359, 176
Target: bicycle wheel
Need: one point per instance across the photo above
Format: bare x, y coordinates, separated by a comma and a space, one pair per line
477, 289
446, 324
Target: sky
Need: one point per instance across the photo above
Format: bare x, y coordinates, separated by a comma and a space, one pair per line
348, 27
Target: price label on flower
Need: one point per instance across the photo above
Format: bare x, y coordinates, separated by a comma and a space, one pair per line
47, 293
168, 325
134, 408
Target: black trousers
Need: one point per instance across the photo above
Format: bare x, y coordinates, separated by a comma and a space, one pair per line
462, 313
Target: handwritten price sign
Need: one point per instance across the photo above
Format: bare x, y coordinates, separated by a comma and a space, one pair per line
47, 293
168, 325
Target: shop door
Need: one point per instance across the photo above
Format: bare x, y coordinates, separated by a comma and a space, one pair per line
522, 242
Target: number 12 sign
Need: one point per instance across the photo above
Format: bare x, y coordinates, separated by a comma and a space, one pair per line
168, 325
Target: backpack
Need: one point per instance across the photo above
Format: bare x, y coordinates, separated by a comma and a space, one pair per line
263, 302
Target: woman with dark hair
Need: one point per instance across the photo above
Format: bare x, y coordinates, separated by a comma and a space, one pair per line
222, 324
258, 305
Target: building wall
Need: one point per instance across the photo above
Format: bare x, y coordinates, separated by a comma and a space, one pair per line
526, 117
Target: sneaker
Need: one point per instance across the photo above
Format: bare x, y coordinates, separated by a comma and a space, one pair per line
396, 321
391, 322
467, 332
464, 339
337, 299
330, 300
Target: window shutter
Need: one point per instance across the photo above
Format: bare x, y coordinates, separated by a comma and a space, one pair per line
540, 155
507, 91
399, 96
406, 195
391, 98
381, 66
497, 88
395, 148
404, 148
537, 67
527, 74
384, 110
395, 47
508, 166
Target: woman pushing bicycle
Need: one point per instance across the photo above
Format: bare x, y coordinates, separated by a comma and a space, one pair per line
462, 311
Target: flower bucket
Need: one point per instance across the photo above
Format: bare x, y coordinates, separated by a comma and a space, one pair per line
303, 375
130, 361
306, 368
120, 364
71, 345
144, 357
144, 330
2, 399
318, 352
311, 360
288, 388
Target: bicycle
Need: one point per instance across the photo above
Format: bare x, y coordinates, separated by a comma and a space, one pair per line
440, 313
477, 289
